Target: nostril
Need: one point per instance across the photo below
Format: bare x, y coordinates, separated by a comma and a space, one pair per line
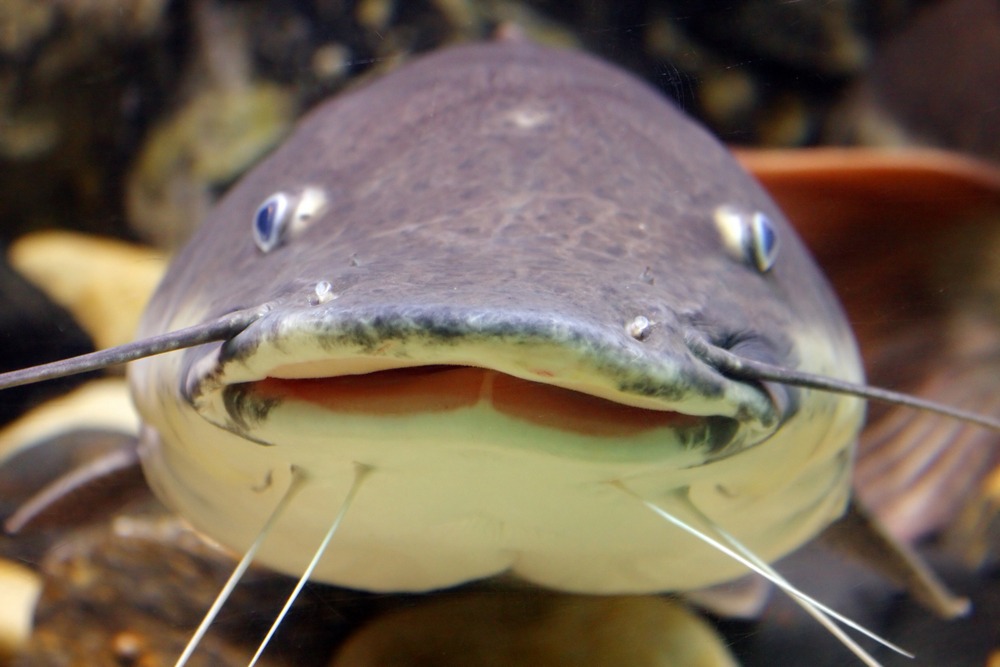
639, 327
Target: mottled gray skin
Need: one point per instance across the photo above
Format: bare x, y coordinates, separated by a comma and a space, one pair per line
440, 212
511, 196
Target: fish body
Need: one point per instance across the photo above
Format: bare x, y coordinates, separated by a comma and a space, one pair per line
488, 303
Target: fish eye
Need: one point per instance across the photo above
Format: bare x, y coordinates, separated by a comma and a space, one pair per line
270, 221
763, 241
749, 237
283, 215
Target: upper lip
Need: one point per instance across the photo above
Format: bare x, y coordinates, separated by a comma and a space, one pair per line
312, 342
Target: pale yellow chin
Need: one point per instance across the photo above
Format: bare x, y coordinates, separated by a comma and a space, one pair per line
478, 491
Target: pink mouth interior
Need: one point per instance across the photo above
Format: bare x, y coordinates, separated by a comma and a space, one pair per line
445, 388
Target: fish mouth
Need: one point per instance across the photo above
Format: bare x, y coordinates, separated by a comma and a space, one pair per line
441, 390
587, 381
493, 441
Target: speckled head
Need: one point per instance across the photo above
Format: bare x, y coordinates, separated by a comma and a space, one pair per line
482, 277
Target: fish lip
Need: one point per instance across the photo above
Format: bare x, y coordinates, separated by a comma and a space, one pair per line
629, 371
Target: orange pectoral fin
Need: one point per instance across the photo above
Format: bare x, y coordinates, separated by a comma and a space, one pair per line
911, 240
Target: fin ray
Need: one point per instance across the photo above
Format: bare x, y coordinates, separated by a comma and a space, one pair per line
75, 491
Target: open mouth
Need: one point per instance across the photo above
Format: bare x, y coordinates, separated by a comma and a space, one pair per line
442, 389
489, 445
581, 390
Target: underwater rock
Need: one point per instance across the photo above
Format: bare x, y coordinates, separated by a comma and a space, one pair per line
102, 282
530, 627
